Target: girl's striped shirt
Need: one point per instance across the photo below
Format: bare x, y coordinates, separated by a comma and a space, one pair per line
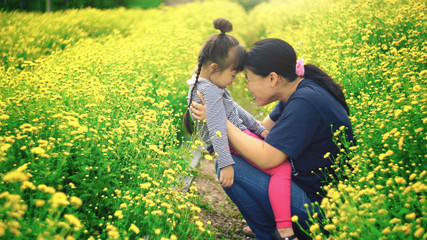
220, 107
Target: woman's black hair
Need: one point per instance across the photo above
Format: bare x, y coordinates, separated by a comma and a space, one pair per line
275, 55
216, 49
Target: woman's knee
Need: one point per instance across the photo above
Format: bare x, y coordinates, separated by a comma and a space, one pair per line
249, 176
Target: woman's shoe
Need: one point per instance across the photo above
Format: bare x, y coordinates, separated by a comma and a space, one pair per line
276, 236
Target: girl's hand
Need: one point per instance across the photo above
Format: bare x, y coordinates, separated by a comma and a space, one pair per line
198, 110
226, 176
264, 134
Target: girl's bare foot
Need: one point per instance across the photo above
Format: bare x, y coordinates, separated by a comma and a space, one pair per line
286, 232
248, 231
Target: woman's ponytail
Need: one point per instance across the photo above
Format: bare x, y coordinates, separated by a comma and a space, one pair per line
324, 80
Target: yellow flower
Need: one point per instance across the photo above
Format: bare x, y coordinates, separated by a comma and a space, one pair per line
411, 216
27, 184
2, 229
199, 223
407, 108
183, 206
38, 150
14, 176
13, 228
329, 227
119, 214
416, 88
417, 233
4, 117
157, 231
114, 234
386, 230
173, 237
145, 185
208, 157
326, 155
77, 202
294, 218
395, 220
196, 209
314, 227
218, 134
73, 220
59, 199
5, 147
382, 212
134, 228
39, 203
46, 189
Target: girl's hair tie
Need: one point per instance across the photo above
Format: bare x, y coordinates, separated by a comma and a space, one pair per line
300, 68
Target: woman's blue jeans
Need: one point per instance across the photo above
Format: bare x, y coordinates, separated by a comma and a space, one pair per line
250, 193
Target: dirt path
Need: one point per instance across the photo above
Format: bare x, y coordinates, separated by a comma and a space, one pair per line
224, 215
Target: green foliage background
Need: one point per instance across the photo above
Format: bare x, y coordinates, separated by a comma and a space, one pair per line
40, 5
91, 103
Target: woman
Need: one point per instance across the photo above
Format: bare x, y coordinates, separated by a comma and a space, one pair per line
311, 107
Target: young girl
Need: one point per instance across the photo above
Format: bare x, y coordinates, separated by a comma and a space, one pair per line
219, 61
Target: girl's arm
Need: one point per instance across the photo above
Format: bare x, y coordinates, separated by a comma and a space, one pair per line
261, 153
216, 122
249, 121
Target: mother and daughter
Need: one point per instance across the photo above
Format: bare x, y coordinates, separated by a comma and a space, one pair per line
269, 169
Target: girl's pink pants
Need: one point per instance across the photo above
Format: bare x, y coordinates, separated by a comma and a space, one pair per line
279, 189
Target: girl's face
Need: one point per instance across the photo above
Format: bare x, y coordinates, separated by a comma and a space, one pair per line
224, 78
260, 88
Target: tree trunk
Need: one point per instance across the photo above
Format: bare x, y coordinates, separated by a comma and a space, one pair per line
47, 5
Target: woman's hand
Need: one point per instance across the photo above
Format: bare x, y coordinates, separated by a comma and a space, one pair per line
198, 110
226, 176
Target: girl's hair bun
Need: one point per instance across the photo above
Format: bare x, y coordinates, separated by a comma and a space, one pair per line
223, 25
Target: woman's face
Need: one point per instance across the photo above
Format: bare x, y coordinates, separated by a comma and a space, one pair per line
259, 87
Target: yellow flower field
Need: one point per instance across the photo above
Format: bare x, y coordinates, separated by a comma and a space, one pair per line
91, 103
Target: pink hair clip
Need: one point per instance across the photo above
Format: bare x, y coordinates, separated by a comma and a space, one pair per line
300, 67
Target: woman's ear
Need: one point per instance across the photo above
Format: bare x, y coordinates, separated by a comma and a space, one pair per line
273, 78
213, 67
